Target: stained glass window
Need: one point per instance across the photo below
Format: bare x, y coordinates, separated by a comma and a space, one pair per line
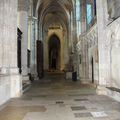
89, 13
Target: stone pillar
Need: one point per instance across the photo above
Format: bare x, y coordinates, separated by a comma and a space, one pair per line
71, 24
85, 73
10, 79
72, 51
33, 66
103, 44
62, 44
23, 6
45, 51
66, 49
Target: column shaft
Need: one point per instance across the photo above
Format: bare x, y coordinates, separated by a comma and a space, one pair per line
23, 25
103, 43
10, 80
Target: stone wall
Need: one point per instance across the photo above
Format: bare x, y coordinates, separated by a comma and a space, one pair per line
113, 36
92, 39
89, 43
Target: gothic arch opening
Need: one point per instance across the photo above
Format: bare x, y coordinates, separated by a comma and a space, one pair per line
54, 52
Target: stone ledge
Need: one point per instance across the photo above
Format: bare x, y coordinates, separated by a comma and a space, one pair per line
5, 71
103, 90
113, 94
114, 89
14, 70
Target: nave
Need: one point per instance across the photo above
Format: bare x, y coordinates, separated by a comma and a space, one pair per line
60, 99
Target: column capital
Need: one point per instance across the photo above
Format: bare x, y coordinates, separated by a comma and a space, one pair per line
23, 5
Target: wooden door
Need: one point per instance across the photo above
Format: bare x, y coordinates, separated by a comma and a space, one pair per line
19, 37
40, 58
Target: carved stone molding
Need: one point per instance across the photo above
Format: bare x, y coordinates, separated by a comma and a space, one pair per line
89, 39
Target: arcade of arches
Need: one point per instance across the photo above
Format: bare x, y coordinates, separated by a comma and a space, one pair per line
50, 44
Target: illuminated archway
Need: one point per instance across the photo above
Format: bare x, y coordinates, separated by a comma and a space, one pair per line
54, 52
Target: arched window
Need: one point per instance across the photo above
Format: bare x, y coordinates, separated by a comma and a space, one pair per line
89, 13
78, 17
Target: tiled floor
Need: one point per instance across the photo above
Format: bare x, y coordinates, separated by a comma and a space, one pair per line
59, 99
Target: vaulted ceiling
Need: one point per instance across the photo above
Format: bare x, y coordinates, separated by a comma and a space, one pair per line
53, 11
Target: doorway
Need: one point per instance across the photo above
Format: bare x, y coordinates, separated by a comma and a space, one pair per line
40, 59
92, 62
19, 38
54, 53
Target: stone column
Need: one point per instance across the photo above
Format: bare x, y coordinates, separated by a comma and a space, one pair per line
10, 79
85, 74
33, 66
103, 44
72, 52
23, 6
66, 48
45, 51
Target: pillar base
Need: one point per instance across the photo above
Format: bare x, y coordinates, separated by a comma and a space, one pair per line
26, 83
16, 85
25, 76
10, 84
68, 75
16, 82
25, 79
25, 71
85, 80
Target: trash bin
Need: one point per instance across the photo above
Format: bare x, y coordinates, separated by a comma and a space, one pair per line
74, 76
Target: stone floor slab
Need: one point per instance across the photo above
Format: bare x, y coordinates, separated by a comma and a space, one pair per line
60, 100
